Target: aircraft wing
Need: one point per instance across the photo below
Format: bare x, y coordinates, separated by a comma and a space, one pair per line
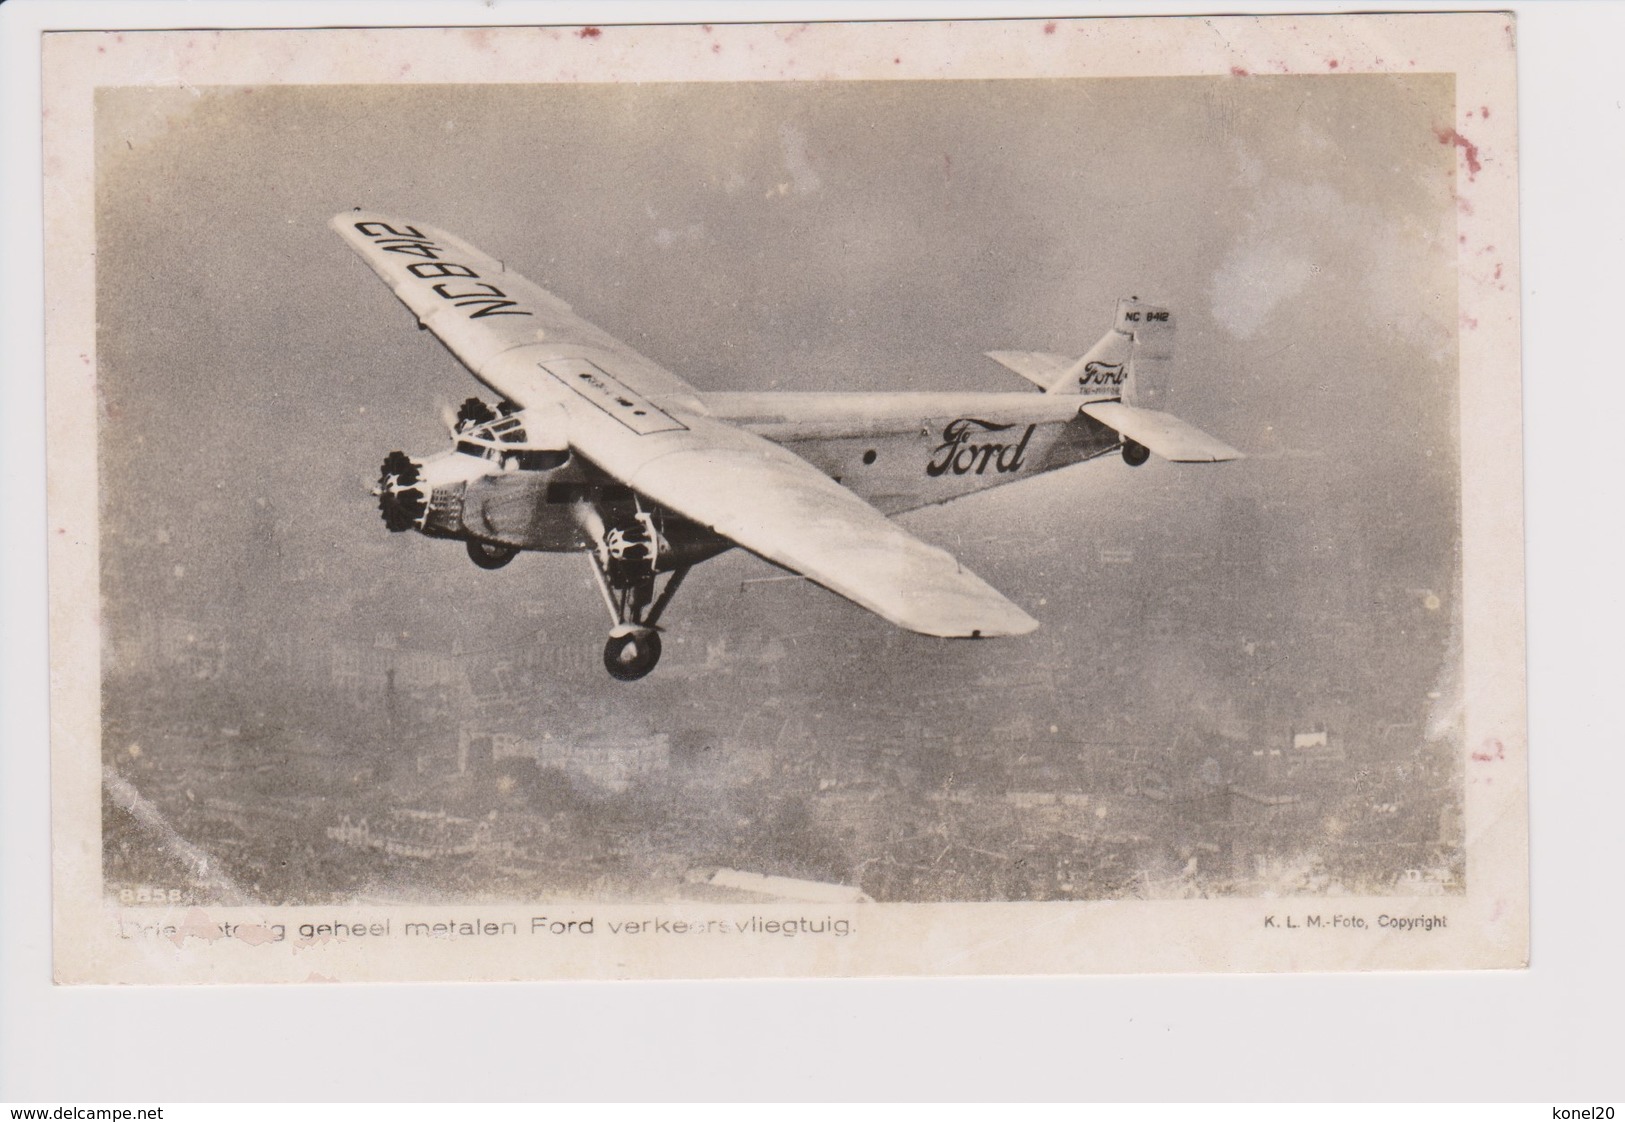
647, 428
478, 308
775, 504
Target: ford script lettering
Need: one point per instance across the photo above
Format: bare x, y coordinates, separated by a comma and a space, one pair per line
1102, 374
964, 449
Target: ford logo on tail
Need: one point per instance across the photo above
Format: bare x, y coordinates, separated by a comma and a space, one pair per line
1102, 374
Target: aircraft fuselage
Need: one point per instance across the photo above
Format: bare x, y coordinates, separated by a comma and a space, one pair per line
560, 502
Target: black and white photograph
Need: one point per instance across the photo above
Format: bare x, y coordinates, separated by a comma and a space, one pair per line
538, 519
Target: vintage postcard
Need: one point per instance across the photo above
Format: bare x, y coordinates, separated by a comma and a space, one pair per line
991, 497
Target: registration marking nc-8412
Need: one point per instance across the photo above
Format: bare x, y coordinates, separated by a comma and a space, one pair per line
589, 381
455, 282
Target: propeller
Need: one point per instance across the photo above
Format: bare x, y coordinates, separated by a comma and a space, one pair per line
475, 412
400, 500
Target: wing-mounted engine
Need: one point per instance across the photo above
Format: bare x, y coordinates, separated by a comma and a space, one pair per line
512, 438
472, 413
633, 543
632, 550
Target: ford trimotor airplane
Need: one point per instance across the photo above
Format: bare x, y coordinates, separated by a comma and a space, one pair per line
595, 448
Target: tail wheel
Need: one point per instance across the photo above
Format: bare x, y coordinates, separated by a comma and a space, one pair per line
631, 656
490, 555
1134, 453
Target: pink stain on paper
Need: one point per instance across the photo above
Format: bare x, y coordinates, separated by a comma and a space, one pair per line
1469, 149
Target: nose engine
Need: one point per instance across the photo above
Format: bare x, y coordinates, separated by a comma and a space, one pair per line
402, 497
488, 488
509, 482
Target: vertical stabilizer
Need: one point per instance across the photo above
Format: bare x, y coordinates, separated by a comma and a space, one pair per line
1129, 360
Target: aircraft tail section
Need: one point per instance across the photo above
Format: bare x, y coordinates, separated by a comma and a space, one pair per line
1108, 366
1140, 342
1162, 433
1123, 379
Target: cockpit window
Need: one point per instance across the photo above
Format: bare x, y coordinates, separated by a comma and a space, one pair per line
488, 439
509, 430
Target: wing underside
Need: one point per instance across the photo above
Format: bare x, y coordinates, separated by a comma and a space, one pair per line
776, 505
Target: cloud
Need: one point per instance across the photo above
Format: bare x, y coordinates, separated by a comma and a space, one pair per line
1254, 278
1311, 242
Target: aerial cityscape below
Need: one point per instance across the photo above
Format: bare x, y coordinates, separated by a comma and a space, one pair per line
1196, 739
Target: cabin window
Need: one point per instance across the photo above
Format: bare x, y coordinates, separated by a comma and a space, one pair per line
543, 460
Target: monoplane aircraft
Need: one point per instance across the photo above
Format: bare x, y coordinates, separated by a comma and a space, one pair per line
594, 448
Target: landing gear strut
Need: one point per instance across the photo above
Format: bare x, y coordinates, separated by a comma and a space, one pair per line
634, 641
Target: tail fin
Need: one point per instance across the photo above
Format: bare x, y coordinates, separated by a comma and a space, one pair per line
1141, 336
1124, 379
1140, 342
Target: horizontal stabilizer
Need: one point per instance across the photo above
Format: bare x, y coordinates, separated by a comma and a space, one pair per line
1035, 366
1163, 433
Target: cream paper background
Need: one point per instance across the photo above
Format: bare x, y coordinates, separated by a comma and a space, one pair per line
1487, 927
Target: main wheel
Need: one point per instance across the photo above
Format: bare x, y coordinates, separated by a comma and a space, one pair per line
489, 555
1135, 454
631, 656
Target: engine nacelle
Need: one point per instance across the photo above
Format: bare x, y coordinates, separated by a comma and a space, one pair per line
424, 495
402, 498
427, 494
510, 482
638, 544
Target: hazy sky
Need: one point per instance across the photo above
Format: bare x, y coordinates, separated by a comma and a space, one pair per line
794, 236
